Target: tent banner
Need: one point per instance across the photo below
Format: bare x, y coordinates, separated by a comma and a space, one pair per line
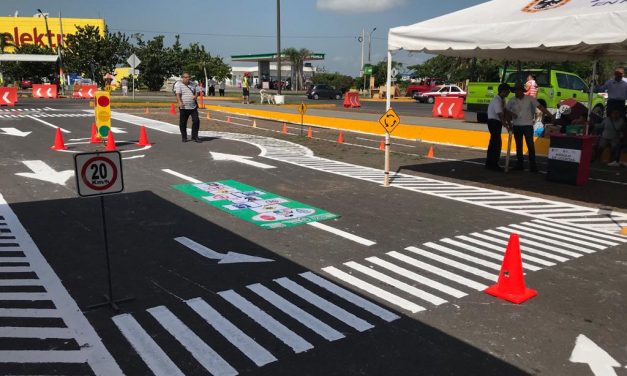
253, 205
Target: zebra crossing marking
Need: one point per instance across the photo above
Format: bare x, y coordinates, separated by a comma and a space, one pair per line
76, 327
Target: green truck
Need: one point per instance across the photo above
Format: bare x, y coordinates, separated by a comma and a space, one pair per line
553, 86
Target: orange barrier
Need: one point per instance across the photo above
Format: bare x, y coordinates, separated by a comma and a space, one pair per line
44, 91
85, 92
448, 107
351, 99
8, 96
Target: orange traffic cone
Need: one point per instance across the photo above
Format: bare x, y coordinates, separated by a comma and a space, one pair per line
623, 231
146, 111
208, 115
110, 142
58, 141
511, 283
143, 137
382, 145
254, 123
430, 152
284, 129
340, 138
95, 138
309, 133
228, 119
172, 109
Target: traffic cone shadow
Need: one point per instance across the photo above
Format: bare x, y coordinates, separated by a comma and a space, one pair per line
511, 282
340, 138
58, 141
95, 138
110, 142
143, 137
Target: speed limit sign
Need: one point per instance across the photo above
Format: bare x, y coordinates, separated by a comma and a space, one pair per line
98, 173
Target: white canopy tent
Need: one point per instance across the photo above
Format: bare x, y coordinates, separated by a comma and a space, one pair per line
538, 30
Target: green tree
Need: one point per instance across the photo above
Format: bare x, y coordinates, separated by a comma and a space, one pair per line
157, 62
297, 59
87, 51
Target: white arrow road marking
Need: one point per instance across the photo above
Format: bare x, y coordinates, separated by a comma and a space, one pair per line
5, 97
239, 159
440, 108
228, 258
118, 130
588, 352
14, 132
48, 124
450, 110
42, 171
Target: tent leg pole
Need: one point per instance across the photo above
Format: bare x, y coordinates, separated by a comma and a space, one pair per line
591, 93
388, 96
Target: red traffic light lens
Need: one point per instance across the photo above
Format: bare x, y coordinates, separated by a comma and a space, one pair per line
103, 101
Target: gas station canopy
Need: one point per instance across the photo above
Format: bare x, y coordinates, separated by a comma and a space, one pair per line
29, 57
273, 57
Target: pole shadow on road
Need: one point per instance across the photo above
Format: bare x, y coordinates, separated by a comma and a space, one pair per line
158, 271
594, 192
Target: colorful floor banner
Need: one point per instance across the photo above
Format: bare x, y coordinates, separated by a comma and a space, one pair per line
264, 209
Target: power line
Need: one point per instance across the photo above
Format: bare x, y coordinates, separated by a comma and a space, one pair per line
238, 35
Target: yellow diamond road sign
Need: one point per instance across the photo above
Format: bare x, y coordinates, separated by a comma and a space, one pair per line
389, 121
302, 108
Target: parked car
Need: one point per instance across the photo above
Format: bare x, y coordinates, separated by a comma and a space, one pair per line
324, 91
452, 91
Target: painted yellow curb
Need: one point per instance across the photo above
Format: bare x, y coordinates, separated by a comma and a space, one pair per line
450, 136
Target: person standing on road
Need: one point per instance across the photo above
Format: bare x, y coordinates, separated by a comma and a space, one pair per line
124, 84
523, 110
246, 88
222, 87
616, 91
186, 95
212, 87
496, 120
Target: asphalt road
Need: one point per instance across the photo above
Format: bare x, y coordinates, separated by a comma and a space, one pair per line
396, 291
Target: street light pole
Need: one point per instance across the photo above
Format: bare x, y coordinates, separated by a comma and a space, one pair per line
47, 30
278, 44
370, 43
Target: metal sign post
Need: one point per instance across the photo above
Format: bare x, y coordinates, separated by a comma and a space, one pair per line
99, 174
302, 108
133, 61
389, 121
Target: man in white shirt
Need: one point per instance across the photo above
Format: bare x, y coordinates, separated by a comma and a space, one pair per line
616, 91
186, 94
496, 120
523, 108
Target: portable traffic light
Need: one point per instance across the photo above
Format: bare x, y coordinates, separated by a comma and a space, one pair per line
102, 107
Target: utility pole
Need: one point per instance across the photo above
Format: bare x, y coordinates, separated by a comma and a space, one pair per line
363, 37
278, 44
370, 43
47, 30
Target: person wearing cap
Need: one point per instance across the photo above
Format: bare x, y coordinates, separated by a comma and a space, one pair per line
523, 108
616, 91
496, 120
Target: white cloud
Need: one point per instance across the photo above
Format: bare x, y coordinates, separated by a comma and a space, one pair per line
358, 5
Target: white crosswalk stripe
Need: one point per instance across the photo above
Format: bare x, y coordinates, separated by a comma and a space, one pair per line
457, 266
34, 284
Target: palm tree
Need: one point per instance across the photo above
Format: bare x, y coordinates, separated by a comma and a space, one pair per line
291, 54
303, 54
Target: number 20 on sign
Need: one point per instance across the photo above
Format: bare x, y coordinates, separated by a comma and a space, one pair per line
98, 173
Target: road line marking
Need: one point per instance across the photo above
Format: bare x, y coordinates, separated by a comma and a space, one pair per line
463, 256
433, 299
607, 243
551, 247
280, 331
350, 297
147, 349
525, 239
343, 234
43, 356
29, 312
551, 236
317, 326
416, 277
374, 290
48, 124
438, 271
16, 269
204, 354
254, 351
325, 305
29, 332
489, 254
452, 263
184, 177
32, 296
524, 248
564, 227
20, 282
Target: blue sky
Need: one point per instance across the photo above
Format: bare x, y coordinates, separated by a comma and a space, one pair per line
234, 27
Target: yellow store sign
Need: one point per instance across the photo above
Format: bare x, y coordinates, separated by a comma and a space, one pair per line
32, 30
